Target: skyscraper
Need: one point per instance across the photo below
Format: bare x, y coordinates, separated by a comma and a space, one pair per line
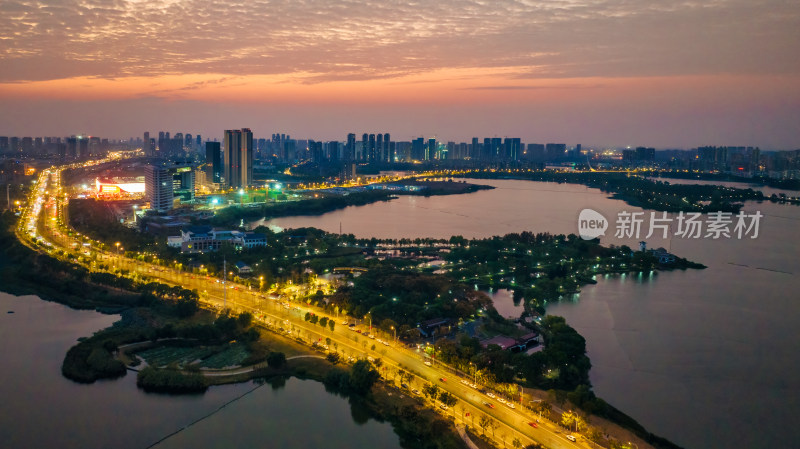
350, 149
213, 162
238, 150
555, 151
158, 187
418, 149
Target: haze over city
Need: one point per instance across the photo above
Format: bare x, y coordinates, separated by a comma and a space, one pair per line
598, 73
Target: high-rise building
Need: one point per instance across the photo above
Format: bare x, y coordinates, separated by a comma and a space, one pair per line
511, 148
364, 146
94, 146
418, 149
430, 150
371, 157
27, 145
555, 151
350, 148
645, 154
72, 148
238, 152
388, 149
213, 162
535, 152
146, 143
183, 182
158, 187
13, 145
83, 148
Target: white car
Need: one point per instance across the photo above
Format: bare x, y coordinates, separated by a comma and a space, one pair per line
490, 394
428, 363
510, 405
570, 437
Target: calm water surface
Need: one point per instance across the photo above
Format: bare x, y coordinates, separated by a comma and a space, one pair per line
706, 358
42, 409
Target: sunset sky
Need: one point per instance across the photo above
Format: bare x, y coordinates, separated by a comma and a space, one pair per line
669, 74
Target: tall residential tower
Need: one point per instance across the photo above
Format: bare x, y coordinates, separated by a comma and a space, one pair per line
238, 153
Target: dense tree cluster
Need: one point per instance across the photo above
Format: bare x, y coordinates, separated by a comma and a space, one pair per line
640, 191
170, 381
359, 380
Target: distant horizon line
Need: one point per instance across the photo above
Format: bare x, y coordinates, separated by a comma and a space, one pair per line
468, 141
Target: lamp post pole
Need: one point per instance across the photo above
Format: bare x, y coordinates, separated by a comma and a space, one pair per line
224, 281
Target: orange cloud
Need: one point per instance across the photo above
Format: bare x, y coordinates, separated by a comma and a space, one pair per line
444, 86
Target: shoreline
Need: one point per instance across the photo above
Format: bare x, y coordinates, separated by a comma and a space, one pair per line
58, 299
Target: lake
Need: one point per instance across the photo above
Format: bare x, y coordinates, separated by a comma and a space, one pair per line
705, 358
42, 409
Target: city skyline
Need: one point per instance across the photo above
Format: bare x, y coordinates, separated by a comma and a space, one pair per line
603, 74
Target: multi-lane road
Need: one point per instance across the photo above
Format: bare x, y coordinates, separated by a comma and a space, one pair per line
44, 220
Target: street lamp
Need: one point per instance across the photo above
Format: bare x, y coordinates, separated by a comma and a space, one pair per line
474, 373
395, 333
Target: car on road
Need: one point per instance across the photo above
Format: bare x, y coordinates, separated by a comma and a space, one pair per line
442, 379
510, 404
490, 394
428, 363
488, 404
443, 407
533, 424
570, 437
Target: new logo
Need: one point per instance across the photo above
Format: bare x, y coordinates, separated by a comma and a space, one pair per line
591, 224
